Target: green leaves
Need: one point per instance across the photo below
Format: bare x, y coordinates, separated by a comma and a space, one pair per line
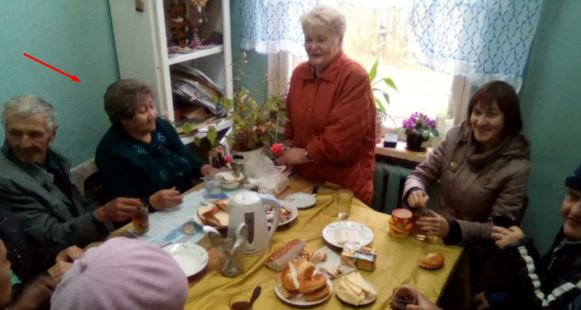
254, 124
379, 88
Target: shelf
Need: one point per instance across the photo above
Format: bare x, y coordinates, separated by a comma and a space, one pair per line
179, 58
202, 132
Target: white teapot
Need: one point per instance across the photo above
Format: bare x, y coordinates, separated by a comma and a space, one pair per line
247, 207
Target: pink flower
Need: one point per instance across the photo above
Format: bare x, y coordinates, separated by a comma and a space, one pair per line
277, 149
228, 159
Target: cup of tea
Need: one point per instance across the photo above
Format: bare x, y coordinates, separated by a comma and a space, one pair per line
401, 222
140, 220
403, 296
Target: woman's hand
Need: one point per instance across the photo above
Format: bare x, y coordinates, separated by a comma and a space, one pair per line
418, 199
58, 270
293, 156
433, 225
288, 142
70, 254
165, 199
208, 170
507, 236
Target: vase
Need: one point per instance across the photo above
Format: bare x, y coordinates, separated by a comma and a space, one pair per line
414, 142
250, 161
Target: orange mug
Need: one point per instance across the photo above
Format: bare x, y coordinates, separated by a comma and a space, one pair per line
401, 222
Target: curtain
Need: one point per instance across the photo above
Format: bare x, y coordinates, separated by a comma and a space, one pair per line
270, 26
480, 39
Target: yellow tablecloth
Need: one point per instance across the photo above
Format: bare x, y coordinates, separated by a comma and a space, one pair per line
396, 263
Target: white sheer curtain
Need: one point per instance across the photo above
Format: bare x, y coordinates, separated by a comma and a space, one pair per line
480, 39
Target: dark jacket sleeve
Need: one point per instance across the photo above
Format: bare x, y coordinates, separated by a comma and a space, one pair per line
529, 291
38, 222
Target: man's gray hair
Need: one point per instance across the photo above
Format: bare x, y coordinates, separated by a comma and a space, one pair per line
122, 97
27, 106
325, 17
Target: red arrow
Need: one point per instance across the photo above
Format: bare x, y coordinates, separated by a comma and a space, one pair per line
73, 78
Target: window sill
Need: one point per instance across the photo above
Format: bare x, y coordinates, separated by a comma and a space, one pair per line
400, 152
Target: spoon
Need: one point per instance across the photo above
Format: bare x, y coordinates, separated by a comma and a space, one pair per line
255, 295
241, 236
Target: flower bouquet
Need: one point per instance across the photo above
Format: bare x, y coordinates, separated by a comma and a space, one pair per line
419, 128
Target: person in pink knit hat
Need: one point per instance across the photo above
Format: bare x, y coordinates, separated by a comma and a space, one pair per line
122, 273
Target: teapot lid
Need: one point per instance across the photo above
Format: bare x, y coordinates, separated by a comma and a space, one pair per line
246, 198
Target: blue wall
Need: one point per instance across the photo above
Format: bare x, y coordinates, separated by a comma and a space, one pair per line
255, 71
551, 105
74, 36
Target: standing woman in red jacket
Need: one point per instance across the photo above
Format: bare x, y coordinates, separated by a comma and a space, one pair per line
331, 128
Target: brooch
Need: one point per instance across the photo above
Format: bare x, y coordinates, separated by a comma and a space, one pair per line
453, 166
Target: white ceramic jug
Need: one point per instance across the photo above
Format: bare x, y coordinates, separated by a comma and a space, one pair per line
247, 207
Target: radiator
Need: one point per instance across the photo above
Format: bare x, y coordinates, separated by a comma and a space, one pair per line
388, 183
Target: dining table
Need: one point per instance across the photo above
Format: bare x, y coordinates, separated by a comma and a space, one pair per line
396, 262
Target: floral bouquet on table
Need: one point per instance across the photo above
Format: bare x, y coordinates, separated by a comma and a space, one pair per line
419, 128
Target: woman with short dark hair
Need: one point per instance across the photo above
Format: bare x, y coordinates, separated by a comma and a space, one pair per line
141, 155
482, 166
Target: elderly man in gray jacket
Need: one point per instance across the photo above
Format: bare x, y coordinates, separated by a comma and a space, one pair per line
35, 186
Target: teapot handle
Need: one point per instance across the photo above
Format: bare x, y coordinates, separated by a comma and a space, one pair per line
273, 201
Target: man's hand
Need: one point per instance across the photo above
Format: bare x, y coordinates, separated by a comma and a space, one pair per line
418, 199
208, 170
117, 210
293, 156
433, 225
70, 254
423, 302
480, 302
35, 295
165, 199
507, 236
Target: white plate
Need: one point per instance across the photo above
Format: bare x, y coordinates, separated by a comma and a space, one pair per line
293, 215
365, 301
191, 258
298, 300
301, 200
361, 234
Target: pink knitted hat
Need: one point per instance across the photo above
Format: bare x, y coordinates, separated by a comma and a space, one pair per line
123, 274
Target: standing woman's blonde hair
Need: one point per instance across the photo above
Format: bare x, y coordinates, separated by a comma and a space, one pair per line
324, 17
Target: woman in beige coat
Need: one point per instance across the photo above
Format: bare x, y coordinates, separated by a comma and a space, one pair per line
482, 166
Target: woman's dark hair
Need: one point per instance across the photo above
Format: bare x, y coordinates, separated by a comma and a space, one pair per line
507, 100
121, 98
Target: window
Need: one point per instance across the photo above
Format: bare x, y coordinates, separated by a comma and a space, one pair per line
380, 32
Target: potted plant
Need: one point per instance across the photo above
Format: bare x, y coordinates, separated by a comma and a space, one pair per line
419, 128
379, 86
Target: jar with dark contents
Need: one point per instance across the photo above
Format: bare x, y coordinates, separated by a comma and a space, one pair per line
403, 296
140, 220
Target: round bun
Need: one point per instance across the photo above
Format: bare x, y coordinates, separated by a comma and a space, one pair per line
432, 261
316, 282
306, 270
319, 294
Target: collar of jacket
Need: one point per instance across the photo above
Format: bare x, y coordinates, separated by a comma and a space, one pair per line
508, 148
329, 73
53, 159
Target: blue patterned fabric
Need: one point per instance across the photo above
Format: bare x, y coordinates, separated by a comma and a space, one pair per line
271, 26
480, 39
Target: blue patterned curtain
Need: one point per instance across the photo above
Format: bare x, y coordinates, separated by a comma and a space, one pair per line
480, 39
270, 26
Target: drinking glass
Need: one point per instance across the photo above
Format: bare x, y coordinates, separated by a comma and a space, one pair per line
140, 220
344, 199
